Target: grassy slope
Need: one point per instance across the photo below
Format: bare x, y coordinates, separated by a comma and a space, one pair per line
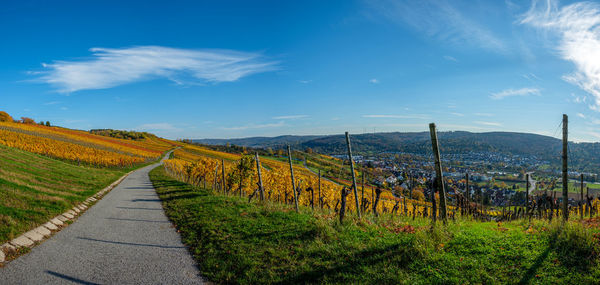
35, 188
234, 241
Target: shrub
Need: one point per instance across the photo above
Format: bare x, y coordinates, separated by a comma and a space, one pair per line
5, 117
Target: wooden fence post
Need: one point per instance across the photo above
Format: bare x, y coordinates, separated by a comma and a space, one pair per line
527, 194
581, 208
216, 176
223, 176
320, 198
260, 183
293, 181
438, 171
467, 192
565, 174
353, 175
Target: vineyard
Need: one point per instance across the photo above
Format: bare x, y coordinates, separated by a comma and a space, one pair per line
239, 175
80, 146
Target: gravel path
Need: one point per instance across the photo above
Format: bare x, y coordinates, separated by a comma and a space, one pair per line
125, 238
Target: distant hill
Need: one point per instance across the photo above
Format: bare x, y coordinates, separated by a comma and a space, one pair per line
261, 142
584, 155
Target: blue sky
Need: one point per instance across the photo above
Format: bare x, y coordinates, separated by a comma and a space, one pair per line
220, 69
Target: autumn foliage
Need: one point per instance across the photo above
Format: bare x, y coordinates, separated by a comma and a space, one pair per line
5, 117
201, 166
81, 146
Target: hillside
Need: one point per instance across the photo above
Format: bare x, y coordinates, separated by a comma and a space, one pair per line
262, 142
543, 147
46, 170
34, 188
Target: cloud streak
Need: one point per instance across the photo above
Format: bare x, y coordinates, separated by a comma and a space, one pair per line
439, 20
515, 92
113, 67
577, 27
250, 127
493, 124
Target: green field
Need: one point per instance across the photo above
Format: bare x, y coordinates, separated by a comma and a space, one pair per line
36, 188
235, 241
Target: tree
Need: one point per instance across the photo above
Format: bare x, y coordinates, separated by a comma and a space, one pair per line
309, 150
26, 120
5, 117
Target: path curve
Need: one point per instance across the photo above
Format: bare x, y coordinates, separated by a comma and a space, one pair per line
125, 238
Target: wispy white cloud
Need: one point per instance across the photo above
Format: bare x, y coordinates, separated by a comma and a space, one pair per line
577, 27
439, 19
580, 115
253, 126
305, 81
112, 67
52, 103
493, 124
515, 92
484, 114
157, 127
531, 77
397, 116
457, 114
374, 81
290, 117
450, 58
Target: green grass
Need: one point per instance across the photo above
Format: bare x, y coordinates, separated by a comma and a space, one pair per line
235, 241
35, 188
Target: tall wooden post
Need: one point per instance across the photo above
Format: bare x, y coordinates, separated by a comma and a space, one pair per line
216, 177
223, 176
565, 174
526, 193
241, 179
353, 175
293, 181
260, 183
581, 203
320, 199
467, 190
438, 171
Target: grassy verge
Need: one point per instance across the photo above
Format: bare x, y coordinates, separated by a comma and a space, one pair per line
235, 241
35, 188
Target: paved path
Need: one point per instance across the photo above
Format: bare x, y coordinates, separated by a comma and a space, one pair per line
124, 239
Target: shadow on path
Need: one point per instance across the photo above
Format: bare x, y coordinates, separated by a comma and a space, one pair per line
72, 279
130, 243
145, 200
